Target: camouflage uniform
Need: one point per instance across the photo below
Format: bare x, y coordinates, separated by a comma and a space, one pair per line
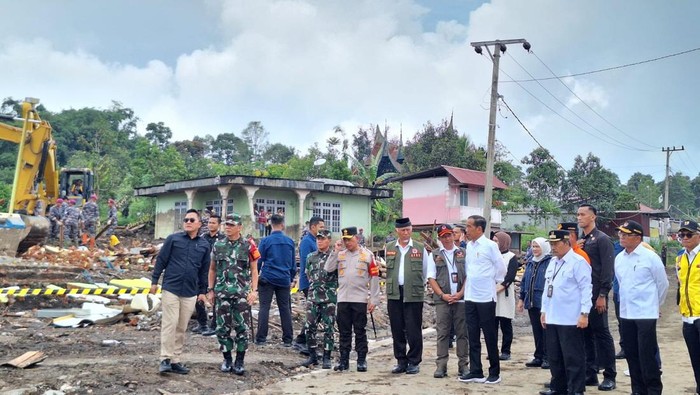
89, 217
55, 215
111, 220
320, 305
233, 282
70, 225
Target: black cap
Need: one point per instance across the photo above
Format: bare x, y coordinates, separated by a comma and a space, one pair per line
349, 232
323, 234
445, 229
632, 227
403, 222
558, 235
690, 225
568, 226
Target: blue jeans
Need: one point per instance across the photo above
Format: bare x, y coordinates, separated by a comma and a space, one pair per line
282, 296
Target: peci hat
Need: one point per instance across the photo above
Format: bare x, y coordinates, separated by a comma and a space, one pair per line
403, 222
631, 227
690, 225
568, 226
93, 196
558, 235
445, 229
59, 201
323, 234
233, 219
72, 201
349, 233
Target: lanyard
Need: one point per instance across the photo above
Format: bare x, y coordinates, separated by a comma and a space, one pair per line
556, 271
451, 263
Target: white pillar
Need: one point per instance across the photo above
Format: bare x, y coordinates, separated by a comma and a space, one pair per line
223, 191
250, 193
302, 193
190, 197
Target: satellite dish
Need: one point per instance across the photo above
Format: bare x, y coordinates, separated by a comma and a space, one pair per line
319, 161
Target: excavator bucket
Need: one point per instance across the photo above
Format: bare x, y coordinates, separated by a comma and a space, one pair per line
18, 232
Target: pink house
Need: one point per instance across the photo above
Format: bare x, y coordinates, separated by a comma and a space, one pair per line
446, 194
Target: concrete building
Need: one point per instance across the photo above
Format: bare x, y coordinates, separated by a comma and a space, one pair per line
446, 194
339, 203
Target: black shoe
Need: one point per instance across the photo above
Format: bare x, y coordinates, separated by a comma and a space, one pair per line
313, 359
226, 366
551, 392
178, 368
399, 369
412, 369
493, 379
547, 384
620, 355
591, 381
302, 348
607, 385
286, 344
535, 363
344, 362
361, 364
450, 344
545, 364
207, 331
326, 360
440, 373
238, 364
504, 356
472, 378
165, 366
260, 342
198, 329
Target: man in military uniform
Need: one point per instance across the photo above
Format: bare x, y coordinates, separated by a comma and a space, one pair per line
55, 216
89, 216
71, 220
111, 217
212, 236
356, 268
233, 280
406, 265
208, 211
447, 276
320, 303
306, 247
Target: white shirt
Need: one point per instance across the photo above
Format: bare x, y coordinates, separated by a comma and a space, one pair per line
403, 251
691, 256
449, 256
485, 268
643, 283
572, 290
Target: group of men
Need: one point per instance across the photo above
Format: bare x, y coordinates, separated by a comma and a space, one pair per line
68, 220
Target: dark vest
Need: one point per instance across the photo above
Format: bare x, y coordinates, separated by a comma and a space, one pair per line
442, 272
413, 280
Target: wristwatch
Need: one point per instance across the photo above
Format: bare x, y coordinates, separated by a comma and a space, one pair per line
584, 315
210, 289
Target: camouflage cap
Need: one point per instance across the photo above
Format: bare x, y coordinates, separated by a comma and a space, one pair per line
233, 219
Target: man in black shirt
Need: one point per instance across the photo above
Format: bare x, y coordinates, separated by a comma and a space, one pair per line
184, 258
597, 337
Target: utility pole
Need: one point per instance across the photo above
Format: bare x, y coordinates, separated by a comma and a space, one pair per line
498, 47
668, 151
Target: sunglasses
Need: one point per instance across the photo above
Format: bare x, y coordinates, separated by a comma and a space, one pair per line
186, 220
686, 235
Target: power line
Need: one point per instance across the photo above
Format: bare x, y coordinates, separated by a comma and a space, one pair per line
619, 143
586, 104
611, 68
691, 161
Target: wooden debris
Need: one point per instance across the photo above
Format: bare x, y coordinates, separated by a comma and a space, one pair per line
26, 360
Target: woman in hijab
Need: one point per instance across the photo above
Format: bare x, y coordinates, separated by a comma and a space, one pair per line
531, 289
505, 294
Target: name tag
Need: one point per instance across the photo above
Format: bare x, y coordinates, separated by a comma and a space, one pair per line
550, 291
454, 278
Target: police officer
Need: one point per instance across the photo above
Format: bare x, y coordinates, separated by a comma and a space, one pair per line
406, 265
233, 282
643, 286
111, 217
446, 276
321, 300
89, 216
55, 216
71, 220
566, 304
356, 269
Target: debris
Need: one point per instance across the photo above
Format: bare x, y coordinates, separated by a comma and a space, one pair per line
89, 314
110, 343
27, 359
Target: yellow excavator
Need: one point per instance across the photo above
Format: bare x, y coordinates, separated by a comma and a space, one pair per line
37, 182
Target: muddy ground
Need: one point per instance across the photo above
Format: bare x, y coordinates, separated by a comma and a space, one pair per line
77, 363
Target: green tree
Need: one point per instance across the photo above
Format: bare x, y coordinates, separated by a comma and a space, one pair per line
543, 181
361, 144
589, 182
255, 136
230, 149
695, 185
158, 134
681, 197
644, 189
442, 145
278, 153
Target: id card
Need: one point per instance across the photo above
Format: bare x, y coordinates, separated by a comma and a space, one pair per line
550, 291
454, 278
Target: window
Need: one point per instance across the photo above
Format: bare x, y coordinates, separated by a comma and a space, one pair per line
463, 197
271, 205
216, 204
330, 212
180, 211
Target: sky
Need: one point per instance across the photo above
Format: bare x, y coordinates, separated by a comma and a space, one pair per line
301, 67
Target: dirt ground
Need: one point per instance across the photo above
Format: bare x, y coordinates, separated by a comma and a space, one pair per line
77, 363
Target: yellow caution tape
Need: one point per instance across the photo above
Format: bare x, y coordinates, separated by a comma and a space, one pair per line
75, 291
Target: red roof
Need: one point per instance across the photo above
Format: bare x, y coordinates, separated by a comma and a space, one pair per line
473, 177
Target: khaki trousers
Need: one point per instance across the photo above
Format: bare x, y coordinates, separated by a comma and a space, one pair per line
446, 316
177, 312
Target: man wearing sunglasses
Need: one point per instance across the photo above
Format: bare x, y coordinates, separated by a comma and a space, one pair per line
184, 258
688, 271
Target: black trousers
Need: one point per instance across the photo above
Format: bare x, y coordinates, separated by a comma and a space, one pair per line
538, 333
691, 334
506, 325
301, 337
202, 315
406, 322
481, 317
616, 301
640, 352
567, 361
600, 347
352, 316
281, 294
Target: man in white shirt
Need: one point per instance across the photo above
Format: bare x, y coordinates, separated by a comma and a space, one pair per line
446, 277
643, 286
688, 271
566, 302
485, 269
